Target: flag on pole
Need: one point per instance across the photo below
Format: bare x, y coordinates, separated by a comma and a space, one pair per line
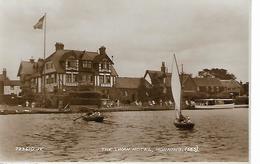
39, 24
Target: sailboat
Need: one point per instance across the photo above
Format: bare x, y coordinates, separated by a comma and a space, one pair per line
180, 122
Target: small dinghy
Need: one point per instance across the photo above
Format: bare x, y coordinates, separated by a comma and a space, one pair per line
183, 125
96, 116
181, 122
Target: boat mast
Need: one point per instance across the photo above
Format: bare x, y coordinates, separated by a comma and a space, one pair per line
181, 81
180, 78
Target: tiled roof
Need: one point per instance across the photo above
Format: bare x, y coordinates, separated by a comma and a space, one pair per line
230, 83
113, 71
100, 57
89, 55
12, 82
128, 82
57, 58
157, 75
26, 67
207, 81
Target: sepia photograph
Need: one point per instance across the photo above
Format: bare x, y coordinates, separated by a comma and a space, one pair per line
125, 80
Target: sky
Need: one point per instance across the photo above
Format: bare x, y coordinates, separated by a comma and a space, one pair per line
139, 34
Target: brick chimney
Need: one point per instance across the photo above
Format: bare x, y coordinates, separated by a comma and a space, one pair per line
59, 46
4, 73
32, 60
163, 68
102, 50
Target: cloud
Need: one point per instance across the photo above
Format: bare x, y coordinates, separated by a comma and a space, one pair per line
138, 33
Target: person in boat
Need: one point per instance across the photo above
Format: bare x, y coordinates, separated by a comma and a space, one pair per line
182, 119
90, 113
93, 114
188, 119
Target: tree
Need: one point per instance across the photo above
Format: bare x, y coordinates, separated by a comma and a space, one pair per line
218, 73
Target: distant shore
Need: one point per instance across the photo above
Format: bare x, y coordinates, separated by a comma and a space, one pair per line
6, 110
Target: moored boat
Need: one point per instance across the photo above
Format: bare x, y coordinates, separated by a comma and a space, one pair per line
214, 104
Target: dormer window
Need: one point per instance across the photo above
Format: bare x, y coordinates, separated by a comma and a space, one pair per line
105, 65
71, 64
49, 65
87, 64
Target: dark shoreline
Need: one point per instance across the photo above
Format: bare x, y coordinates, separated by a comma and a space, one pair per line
7, 110
10, 110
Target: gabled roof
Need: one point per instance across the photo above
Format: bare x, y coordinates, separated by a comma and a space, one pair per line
185, 77
25, 68
230, 83
87, 55
12, 82
113, 71
207, 81
128, 82
158, 75
100, 57
58, 56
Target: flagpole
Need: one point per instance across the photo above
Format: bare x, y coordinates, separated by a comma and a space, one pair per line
44, 55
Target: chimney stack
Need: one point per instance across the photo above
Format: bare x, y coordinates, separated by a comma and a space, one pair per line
59, 46
163, 68
31, 60
102, 50
4, 73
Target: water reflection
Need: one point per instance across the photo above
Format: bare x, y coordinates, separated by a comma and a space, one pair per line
66, 140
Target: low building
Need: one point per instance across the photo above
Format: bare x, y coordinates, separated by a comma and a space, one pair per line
189, 86
10, 90
208, 87
130, 89
232, 87
2, 79
160, 82
25, 74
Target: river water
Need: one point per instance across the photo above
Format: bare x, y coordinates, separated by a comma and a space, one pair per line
218, 135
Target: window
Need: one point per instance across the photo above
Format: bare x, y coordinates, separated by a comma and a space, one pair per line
11, 87
101, 79
104, 65
87, 64
49, 65
50, 80
107, 79
69, 78
72, 63
75, 78
87, 78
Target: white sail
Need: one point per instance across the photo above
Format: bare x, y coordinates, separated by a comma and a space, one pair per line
176, 88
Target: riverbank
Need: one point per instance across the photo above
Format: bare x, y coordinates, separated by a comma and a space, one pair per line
4, 109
